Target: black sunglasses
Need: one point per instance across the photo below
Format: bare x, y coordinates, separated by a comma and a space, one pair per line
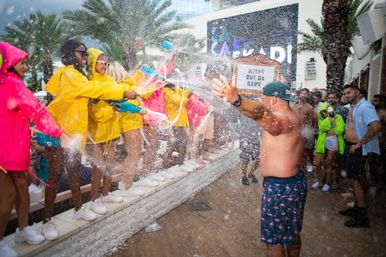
82, 53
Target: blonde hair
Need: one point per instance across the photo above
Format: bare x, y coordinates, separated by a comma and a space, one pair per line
117, 71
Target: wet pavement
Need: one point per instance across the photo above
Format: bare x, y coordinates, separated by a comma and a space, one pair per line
224, 220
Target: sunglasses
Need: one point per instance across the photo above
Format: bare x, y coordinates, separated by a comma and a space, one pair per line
82, 53
104, 63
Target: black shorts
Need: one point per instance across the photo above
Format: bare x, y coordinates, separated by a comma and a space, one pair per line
354, 164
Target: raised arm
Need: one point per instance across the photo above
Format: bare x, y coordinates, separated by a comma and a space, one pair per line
271, 122
36, 112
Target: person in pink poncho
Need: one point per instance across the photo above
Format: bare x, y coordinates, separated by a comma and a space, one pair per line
18, 106
197, 109
156, 103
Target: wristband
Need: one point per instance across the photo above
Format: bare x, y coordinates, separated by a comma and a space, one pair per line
237, 102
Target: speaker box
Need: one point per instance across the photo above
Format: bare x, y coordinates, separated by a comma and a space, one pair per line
361, 50
372, 25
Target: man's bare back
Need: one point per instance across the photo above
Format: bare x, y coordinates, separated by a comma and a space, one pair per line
306, 112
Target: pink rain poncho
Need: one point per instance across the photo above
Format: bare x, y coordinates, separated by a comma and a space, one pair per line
196, 109
17, 107
156, 101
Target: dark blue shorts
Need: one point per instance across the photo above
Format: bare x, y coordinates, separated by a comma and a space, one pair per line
282, 208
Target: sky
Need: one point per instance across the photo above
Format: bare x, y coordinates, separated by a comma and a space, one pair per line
13, 9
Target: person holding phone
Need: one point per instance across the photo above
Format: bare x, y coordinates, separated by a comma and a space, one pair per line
330, 142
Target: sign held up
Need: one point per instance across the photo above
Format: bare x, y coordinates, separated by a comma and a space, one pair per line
254, 77
252, 73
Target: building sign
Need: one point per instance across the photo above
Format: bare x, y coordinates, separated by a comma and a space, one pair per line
253, 77
271, 32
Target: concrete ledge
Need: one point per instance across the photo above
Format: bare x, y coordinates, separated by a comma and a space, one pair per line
123, 220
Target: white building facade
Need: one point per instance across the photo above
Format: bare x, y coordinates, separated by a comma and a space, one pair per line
309, 69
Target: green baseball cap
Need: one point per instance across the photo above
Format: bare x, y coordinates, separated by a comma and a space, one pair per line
280, 90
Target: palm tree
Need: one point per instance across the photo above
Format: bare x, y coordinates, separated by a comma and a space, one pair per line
118, 24
332, 38
41, 35
336, 42
190, 48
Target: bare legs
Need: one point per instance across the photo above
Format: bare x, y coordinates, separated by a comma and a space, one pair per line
329, 162
133, 143
101, 161
281, 250
7, 200
328, 166
20, 180
318, 168
178, 143
56, 158
151, 148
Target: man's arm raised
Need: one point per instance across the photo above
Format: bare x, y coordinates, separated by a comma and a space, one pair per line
255, 110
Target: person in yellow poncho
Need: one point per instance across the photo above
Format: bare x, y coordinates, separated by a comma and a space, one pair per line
175, 107
72, 91
130, 124
103, 131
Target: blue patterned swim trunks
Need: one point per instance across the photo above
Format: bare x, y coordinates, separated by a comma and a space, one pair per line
282, 208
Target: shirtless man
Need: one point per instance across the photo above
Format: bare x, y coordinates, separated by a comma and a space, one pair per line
285, 187
379, 102
309, 121
361, 140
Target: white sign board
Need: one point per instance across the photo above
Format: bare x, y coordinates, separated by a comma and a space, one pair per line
253, 77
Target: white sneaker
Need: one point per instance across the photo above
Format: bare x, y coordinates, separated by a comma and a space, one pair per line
176, 169
131, 192
316, 185
166, 174
121, 185
84, 214
112, 199
146, 182
326, 188
310, 168
156, 177
49, 231
6, 250
98, 207
350, 204
191, 163
35, 193
187, 168
29, 235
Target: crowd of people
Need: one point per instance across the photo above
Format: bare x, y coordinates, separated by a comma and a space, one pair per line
99, 110
349, 133
117, 120
342, 134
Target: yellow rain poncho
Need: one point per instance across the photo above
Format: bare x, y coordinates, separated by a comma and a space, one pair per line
173, 103
72, 91
132, 121
103, 121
